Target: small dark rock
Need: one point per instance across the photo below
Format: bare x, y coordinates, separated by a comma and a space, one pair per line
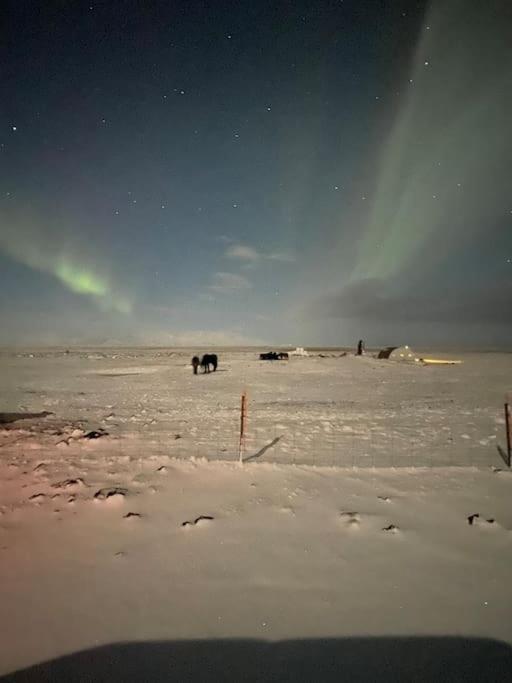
103, 494
390, 527
193, 522
95, 434
38, 497
68, 483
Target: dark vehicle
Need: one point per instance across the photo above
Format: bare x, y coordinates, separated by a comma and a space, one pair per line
272, 355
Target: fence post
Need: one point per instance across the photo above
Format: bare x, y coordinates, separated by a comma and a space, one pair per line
507, 428
243, 421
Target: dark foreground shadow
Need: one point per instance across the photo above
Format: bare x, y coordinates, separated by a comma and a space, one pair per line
346, 659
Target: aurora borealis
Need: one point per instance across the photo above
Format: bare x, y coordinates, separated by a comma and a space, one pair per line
444, 170
29, 248
303, 173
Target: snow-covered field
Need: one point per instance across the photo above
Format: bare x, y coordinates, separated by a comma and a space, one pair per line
327, 411
373, 572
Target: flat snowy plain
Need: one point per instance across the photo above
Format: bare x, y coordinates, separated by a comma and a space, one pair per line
346, 532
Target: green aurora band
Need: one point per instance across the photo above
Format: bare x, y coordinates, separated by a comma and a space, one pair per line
80, 281
443, 170
26, 245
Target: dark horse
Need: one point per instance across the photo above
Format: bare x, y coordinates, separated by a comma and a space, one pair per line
195, 364
207, 360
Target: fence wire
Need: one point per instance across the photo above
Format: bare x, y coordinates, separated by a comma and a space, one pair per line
451, 441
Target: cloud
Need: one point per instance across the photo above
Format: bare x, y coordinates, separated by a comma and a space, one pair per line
283, 256
228, 282
242, 252
225, 239
375, 300
245, 252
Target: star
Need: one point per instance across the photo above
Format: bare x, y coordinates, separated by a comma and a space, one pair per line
235, 206
427, 63
14, 128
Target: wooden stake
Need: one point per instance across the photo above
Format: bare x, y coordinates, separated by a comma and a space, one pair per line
509, 436
243, 422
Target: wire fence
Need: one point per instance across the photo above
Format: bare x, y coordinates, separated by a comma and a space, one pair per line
444, 440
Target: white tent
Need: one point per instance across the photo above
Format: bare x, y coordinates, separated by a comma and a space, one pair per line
299, 351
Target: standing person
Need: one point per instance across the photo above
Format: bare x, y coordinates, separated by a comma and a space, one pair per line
360, 347
195, 364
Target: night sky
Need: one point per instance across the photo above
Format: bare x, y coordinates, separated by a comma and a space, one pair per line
302, 173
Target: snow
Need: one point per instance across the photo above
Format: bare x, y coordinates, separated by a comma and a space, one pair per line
131, 537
